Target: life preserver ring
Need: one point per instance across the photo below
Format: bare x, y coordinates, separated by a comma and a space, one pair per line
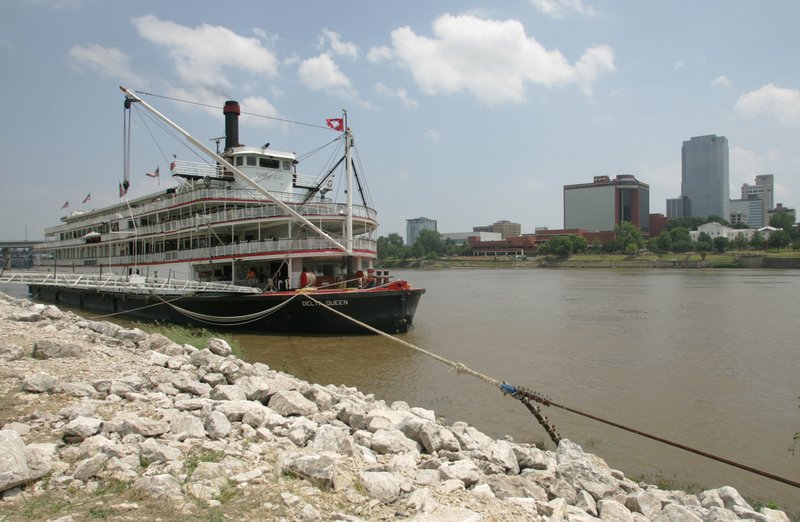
307, 279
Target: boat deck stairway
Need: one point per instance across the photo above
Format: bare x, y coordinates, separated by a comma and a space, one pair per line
134, 284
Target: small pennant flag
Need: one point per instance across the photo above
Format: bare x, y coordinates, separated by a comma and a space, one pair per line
65, 205
122, 190
335, 123
87, 198
154, 174
172, 166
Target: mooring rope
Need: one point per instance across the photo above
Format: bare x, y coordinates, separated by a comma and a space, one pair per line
234, 320
525, 396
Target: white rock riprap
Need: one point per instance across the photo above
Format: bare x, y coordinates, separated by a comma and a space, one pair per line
168, 431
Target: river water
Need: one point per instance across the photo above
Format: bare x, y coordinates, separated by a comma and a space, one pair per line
706, 358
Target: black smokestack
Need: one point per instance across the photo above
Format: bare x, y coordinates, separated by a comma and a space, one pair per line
231, 112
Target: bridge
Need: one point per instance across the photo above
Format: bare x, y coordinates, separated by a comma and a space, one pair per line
19, 244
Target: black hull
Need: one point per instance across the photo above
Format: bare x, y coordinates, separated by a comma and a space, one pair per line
390, 311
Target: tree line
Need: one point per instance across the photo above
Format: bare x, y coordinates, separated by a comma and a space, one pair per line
628, 239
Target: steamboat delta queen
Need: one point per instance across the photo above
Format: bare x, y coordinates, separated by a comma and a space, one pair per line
242, 240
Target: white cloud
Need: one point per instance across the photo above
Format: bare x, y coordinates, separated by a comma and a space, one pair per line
560, 8
339, 48
775, 102
379, 54
259, 32
105, 61
432, 134
255, 106
398, 93
492, 60
322, 74
722, 81
202, 53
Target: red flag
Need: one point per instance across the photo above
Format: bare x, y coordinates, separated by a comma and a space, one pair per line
172, 166
65, 205
335, 123
122, 190
154, 174
88, 197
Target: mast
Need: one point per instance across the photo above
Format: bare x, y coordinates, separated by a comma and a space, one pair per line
240, 176
348, 142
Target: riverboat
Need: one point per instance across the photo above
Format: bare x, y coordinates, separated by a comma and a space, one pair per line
298, 259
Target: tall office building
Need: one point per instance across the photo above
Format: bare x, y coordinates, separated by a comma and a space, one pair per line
704, 177
417, 225
606, 202
764, 188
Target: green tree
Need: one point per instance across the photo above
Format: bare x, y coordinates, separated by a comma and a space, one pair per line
704, 244
740, 242
689, 223
783, 220
757, 241
664, 241
779, 239
391, 246
579, 244
428, 244
721, 244
629, 238
717, 219
557, 246
680, 234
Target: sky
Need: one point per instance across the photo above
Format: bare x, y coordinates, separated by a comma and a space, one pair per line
463, 112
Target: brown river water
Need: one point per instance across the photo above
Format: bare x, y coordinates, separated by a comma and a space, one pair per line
707, 358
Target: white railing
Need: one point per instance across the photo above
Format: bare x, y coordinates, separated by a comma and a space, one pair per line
266, 209
120, 284
277, 249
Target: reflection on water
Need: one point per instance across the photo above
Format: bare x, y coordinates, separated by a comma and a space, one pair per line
707, 358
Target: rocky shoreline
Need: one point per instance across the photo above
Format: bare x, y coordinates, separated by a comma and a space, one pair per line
99, 421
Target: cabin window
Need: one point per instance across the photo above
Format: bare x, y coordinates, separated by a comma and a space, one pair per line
287, 165
251, 161
239, 161
269, 163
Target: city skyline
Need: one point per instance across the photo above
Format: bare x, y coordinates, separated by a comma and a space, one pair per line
469, 113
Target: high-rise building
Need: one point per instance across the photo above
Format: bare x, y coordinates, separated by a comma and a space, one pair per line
764, 188
752, 211
415, 226
606, 202
675, 207
704, 176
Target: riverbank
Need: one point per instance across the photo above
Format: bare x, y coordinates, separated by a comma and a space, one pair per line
690, 260
100, 421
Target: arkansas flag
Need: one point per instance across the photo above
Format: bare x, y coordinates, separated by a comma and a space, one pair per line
335, 123
65, 205
88, 197
154, 174
122, 190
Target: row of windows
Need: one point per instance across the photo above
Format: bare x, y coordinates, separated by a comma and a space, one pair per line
269, 163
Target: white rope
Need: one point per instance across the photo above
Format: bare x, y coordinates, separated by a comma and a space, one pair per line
236, 320
461, 368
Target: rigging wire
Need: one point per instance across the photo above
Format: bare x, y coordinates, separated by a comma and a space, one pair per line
284, 120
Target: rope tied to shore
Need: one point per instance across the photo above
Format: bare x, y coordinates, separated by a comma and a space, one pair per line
526, 395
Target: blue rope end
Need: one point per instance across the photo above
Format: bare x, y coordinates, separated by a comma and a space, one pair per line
508, 388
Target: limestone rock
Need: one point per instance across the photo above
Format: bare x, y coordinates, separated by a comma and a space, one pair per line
319, 469
81, 428
291, 403
144, 426
219, 347
157, 486
217, 425
464, 470
40, 383
381, 485
14, 469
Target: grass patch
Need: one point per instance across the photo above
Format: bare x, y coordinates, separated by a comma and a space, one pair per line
204, 456
197, 337
665, 483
